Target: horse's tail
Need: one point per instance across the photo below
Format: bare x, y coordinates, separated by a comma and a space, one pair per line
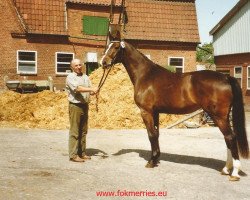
239, 118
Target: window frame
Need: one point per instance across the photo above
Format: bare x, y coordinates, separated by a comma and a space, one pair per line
27, 61
183, 62
248, 77
241, 77
56, 67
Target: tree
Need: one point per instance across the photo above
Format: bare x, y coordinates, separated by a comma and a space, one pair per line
205, 53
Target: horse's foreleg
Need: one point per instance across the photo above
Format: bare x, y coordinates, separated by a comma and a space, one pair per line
152, 124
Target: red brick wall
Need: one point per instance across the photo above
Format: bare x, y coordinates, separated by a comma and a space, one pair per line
47, 45
228, 62
161, 58
160, 52
7, 44
75, 12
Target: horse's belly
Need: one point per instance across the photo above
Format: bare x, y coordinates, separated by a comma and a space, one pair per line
178, 109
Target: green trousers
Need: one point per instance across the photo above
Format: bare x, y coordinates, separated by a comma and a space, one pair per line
78, 119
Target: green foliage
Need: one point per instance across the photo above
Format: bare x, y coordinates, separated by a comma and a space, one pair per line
205, 53
171, 68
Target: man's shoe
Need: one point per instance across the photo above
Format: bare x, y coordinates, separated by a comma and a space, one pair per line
76, 159
85, 157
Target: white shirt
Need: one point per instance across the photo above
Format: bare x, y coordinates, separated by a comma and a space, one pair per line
72, 82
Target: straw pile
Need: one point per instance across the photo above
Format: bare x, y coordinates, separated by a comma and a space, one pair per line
117, 108
46, 110
49, 110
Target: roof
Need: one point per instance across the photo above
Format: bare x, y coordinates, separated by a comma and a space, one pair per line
162, 21
46, 16
158, 20
228, 16
96, 2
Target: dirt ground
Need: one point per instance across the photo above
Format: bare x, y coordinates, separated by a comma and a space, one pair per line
34, 165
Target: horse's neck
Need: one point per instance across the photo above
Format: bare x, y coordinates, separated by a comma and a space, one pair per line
135, 64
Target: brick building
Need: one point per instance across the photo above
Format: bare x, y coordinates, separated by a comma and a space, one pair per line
39, 38
231, 41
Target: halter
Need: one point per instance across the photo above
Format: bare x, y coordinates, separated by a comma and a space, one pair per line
105, 75
122, 43
122, 46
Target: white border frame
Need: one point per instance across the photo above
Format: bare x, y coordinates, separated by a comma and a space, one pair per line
17, 63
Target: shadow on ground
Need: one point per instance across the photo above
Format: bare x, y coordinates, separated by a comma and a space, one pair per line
211, 163
175, 158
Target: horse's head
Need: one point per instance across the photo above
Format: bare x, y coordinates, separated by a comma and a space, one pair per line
113, 54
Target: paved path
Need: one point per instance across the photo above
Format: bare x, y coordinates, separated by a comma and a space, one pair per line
34, 165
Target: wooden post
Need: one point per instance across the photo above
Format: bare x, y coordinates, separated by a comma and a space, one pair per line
185, 118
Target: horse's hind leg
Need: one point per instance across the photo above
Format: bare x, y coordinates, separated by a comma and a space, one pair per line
232, 150
152, 124
229, 163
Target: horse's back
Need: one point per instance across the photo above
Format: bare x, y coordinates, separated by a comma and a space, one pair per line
185, 92
210, 80
209, 75
166, 92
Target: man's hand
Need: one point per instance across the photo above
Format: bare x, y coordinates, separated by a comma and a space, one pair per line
94, 91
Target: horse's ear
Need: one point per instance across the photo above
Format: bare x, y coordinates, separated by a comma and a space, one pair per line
115, 32
111, 38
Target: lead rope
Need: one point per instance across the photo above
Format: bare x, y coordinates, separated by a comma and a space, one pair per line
101, 83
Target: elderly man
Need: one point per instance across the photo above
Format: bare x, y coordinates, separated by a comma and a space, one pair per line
79, 88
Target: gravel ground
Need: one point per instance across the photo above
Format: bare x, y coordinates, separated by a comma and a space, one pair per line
34, 165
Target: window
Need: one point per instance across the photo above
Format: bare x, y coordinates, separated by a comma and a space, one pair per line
248, 77
91, 57
91, 62
26, 62
95, 25
63, 60
238, 74
177, 62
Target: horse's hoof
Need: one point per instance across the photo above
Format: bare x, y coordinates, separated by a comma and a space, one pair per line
224, 173
234, 178
150, 165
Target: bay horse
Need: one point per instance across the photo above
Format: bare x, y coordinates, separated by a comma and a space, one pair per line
156, 90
